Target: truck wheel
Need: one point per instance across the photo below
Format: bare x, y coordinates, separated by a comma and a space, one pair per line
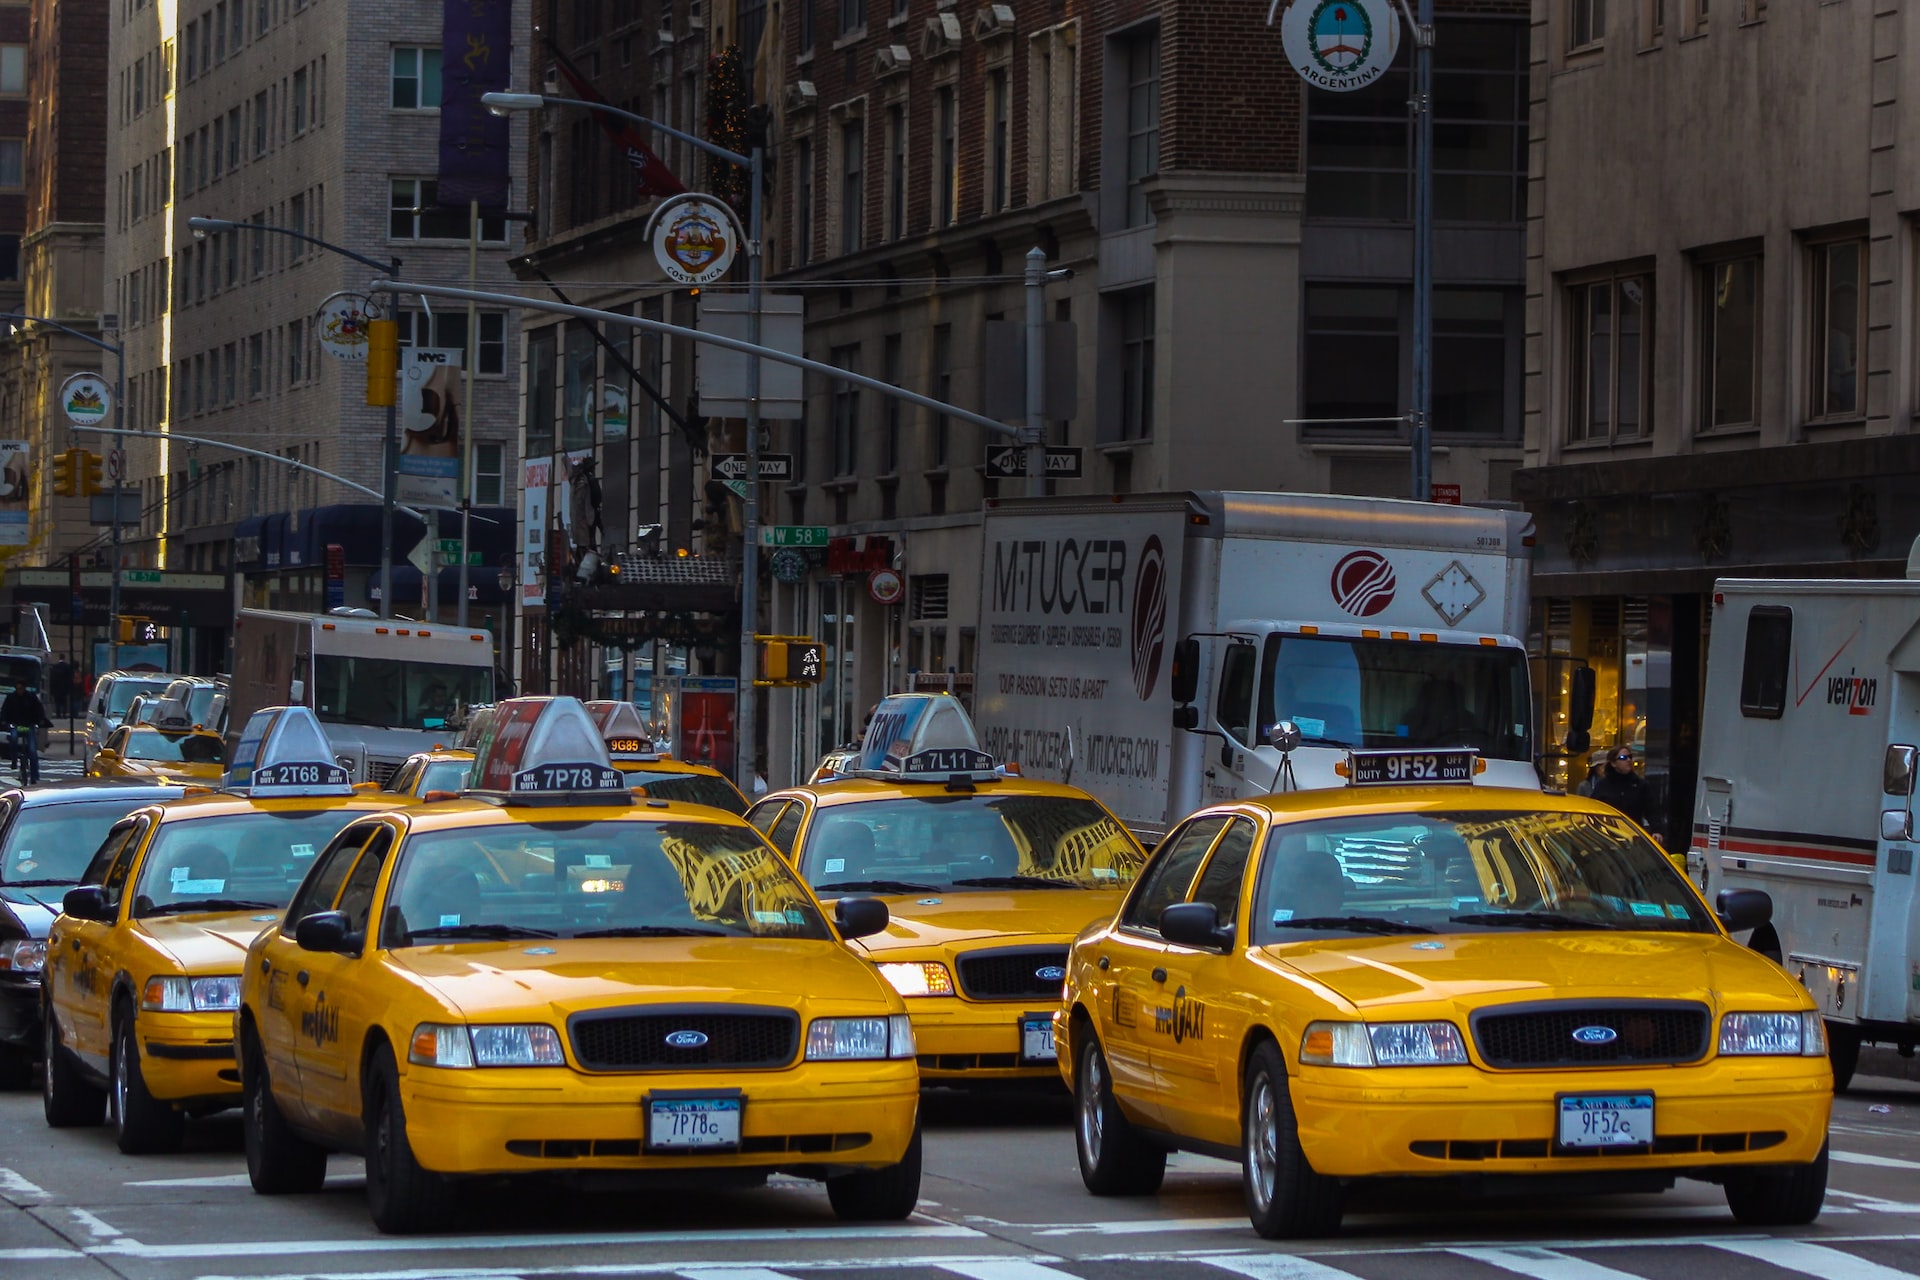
879, 1195
1843, 1050
402, 1197
142, 1123
68, 1098
279, 1161
1114, 1159
1779, 1197
1286, 1199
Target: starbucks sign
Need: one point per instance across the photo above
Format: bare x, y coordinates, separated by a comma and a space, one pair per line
1340, 45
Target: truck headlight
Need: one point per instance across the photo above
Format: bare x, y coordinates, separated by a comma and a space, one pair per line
1386, 1044
530, 1044
191, 995
23, 955
830, 1039
1801, 1035
923, 978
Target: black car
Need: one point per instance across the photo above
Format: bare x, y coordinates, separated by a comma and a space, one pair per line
48, 834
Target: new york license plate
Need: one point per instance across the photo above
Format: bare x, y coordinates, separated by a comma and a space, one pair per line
1036, 1039
1606, 1120
693, 1124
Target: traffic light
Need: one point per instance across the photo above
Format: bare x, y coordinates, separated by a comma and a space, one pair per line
383, 362
63, 474
92, 472
791, 660
773, 660
138, 630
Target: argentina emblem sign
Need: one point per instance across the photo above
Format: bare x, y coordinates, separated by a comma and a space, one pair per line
1340, 45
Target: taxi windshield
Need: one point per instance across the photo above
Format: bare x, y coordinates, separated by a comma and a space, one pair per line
597, 879
444, 775
1468, 872
174, 746
125, 690
53, 843
233, 862
959, 842
694, 788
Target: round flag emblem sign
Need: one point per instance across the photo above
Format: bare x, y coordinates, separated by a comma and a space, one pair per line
86, 399
694, 238
1340, 45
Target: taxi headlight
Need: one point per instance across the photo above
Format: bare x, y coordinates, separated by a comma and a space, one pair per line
1775, 1034
439, 1044
191, 995
23, 955
860, 1038
926, 978
1386, 1044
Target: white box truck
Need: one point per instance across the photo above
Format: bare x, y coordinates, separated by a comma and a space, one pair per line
383, 688
1148, 643
1809, 741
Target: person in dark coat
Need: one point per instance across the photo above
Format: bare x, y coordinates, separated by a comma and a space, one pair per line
26, 715
1623, 788
60, 687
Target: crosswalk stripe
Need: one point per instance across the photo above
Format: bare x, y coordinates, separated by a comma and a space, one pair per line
1003, 1269
1541, 1264
730, 1273
1812, 1260
1877, 1162
1276, 1266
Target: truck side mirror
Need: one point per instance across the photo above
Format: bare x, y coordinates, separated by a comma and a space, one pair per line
1580, 710
297, 692
1186, 670
1898, 773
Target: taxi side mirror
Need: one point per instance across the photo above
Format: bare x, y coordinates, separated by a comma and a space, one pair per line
860, 917
1743, 909
1195, 924
324, 931
89, 902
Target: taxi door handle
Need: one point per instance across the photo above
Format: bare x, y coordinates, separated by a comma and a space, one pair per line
1159, 975
1104, 963
301, 977
73, 944
266, 965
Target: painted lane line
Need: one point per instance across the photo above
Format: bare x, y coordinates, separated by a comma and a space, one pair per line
238, 1180
1541, 1264
1142, 1227
1815, 1260
12, 1184
1866, 1204
441, 1244
730, 1271
37, 1255
1276, 1266
1876, 1162
102, 1232
1003, 1269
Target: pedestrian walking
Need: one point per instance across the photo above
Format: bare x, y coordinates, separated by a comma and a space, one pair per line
60, 688
1623, 788
25, 715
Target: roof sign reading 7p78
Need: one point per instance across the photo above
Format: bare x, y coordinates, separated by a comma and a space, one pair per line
547, 748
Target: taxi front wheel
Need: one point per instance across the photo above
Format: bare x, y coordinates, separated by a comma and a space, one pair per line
279, 1161
69, 1099
402, 1197
1779, 1197
1286, 1199
141, 1122
1114, 1160
879, 1195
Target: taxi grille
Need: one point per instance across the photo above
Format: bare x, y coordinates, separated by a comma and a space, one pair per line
1543, 1035
1012, 974
735, 1037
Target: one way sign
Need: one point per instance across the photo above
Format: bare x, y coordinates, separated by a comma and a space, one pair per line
773, 466
1005, 462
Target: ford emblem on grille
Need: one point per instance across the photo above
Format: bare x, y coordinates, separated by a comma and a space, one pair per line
1585, 1035
1050, 973
687, 1039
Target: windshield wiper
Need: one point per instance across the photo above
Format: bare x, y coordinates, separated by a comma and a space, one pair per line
651, 931
211, 904
1531, 919
1014, 882
876, 886
1355, 924
480, 931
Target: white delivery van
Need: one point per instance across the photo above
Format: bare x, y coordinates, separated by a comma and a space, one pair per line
383, 688
1147, 644
1808, 746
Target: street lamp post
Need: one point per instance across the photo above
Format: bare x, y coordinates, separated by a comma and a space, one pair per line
389, 459
755, 164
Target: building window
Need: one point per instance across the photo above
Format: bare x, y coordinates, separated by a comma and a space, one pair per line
13, 70
1352, 339
296, 352
890, 407
1143, 122
806, 26
13, 174
415, 215
896, 171
1470, 355
257, 365
1586, 24
1729, 343
1053, 83
803, 202
299, 104
852, 187
1608, 358
1136, 364
220, 32
946, 171
999, 140
853, 16
233, 140
845, 398
416, 79
1838, 312
489, 474
260, 118
448, 331
942, 390
190, 47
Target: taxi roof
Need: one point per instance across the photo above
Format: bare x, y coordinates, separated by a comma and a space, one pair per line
854, 790
1333, 802
455, 815
283, 751
219, 803
546, 750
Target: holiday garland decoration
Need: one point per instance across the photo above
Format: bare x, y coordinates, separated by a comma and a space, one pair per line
727, 126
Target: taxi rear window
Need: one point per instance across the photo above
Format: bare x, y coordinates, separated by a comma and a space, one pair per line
1467, 871
233, 862
617, 878
694, 788
182, 747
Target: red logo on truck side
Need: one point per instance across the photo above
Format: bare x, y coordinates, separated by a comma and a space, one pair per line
1149, 618
1363, 583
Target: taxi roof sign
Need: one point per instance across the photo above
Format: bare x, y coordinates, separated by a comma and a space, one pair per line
622, 730
284, 752
906, 724
545, 750
1404, 768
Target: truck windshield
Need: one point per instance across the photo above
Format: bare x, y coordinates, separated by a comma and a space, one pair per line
16, 672
1398, 693
394, 694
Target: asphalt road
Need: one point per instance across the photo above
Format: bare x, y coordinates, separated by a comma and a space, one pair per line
1001, 1201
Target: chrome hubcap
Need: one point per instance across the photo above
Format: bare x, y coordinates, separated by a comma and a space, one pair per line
120, 1085
1262, 1146
1091, 1119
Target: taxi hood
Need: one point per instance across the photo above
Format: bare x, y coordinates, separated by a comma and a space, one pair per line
563, 976
1466, 970
208, 943
1004, 915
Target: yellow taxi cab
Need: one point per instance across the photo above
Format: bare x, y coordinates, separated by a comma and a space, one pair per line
186, 753
1433, 981
143, 968
987, 877
554, 975
660, 776
443, 771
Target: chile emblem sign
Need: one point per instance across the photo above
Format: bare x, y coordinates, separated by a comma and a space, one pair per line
1340, 45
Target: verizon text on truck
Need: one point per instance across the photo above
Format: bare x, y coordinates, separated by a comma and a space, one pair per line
1368, 622
382, 688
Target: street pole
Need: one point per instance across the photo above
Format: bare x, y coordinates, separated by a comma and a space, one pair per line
750, 514
472, 357
1422, 105
120, 420
1036, 432
389, 488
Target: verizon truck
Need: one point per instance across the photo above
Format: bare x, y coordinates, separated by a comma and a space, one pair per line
383, 688
1147, 644
1808, 748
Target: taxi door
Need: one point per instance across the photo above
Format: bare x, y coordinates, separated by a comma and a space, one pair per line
1202, 1017
1135, 958
334, 1006
81, 953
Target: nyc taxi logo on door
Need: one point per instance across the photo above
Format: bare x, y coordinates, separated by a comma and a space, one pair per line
1186, 1020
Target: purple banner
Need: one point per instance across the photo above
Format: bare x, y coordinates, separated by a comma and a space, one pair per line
476, 57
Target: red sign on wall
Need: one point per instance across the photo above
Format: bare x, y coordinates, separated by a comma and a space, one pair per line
1447, 493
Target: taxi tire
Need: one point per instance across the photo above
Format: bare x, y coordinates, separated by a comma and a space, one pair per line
1843, 1051
887, 1194
402, 1197
69, 1099
279, 1161
1299, 1202
1779, 1197
1125, 1164
142, 1124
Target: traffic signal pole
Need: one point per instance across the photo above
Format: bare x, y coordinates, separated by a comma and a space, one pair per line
114, 468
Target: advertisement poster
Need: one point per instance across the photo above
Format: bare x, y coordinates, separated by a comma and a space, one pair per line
430, 426
535, 475
15, 475
476, 58
705, 721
